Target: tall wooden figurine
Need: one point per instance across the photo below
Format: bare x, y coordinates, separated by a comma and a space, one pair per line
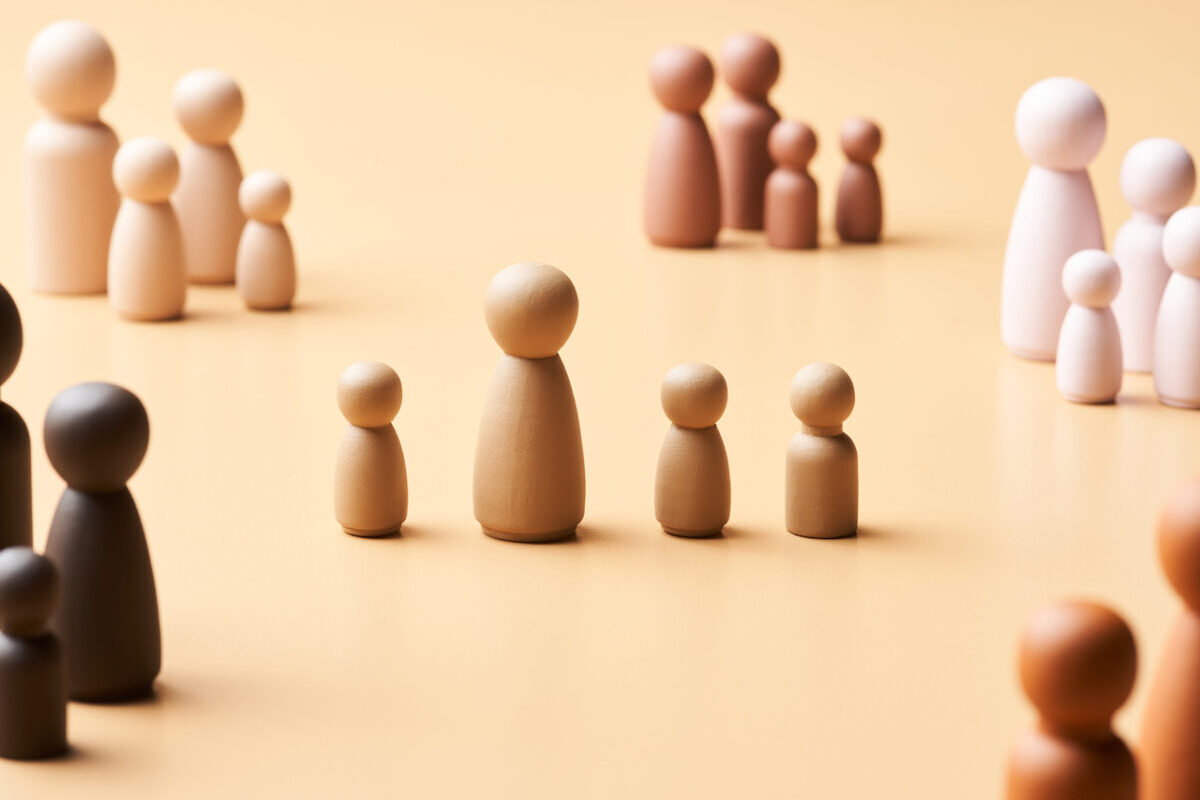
691, 487
822, 462
370, 488
750, 66
16, 497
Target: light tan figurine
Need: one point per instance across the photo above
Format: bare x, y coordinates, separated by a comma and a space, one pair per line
529, 480
370, 482
266, 263
147, 276
209, 106
691, 487
822, 462
70, 198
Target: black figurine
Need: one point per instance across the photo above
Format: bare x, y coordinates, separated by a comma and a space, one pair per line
16, 501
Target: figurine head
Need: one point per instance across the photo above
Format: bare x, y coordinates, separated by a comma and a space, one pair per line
1060, 124
1179, 542
682, 78
209, 106
531, 309
861, 140
146, 170
71, 70
1181, 242
369, 394
29, 591
265, 196
12, 335
1091, 278
750, 64
792, 144
694, 395
96, 436
822, 397
1158, 177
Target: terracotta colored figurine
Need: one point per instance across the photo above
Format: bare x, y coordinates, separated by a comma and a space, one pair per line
691, 488
266, 263
69, 193
33, 677
1169, 752
683, 193
1177, 330
1089, 347
1078, 661
822, 462
529, 479
16, 491
370, 489
790, 204
750, 66
96, 437
860, 198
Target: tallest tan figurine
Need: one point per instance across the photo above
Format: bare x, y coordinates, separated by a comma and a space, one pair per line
70, 198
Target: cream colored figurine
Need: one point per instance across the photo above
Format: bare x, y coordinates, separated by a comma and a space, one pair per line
266, 263
69, 194
1177, 332
691, 488
147, 277
529, 481
209, 107
1089, 348
370, 483
822, 462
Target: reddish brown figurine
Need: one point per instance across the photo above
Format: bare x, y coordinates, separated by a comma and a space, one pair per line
750, 64
790, 204
1170, 743
860, 199
683, 193
1078, 662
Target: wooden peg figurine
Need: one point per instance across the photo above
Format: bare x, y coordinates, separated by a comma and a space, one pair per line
750, 66
70, 198
529, 479
790, 209
266, 263
33, 678
1077, 665
822, 462
1089, 347
370, 495
860, 198
1177, 331
691, 488
16, 491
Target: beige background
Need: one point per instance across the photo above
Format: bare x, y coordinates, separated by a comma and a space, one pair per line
429, 145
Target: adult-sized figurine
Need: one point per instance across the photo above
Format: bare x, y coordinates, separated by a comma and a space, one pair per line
683, 192
790, 204
370, 485
33, 678
16, 498
266, 262
529, 480
822, 462
691, 486
860, 197
96, 437
750, 67
70, 198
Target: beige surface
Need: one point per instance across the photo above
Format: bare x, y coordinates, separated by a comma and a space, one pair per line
430, 145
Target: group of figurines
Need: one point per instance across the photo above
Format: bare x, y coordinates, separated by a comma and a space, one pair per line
133, 220
529, 471
1064, 298
756, 178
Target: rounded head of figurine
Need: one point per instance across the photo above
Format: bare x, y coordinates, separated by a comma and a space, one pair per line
12, 335
1060, 124
1181, 241
265, 196
822, 396
1158, 177
369, 394
96, 436
791, 144
681, 77
861, 140
694, 395
1179, 542
70, 69
531, 309
146, 170
1091, 278
1077, 664
29, 590
209, 106
750, 64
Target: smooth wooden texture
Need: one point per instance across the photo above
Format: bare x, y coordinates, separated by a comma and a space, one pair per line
1177, 329
790, 201
1088, 368
691, 482
370, 482
859, 216
749, 66
266, 260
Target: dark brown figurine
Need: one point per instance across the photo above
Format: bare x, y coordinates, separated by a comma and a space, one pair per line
16, 499
750, 66
1078, 662
790, 211
33, 679
96, 436
683, 193
860, 198
1170, 743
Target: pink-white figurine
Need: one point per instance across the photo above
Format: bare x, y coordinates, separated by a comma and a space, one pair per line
1089, 346
1177, 334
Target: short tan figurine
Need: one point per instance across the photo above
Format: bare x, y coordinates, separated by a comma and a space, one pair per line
1078, 661
790, 209
822, 462
370, 483
691, 488
70, 198
750, 66
529, 479
860, 198
147, 277
266, 263
209, 106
